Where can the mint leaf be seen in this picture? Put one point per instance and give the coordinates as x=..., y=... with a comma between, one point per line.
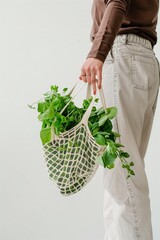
x=108, y=158
x=124, y=154
x=41, y=107
x=112, y=112
x=65, y=89
x=45, y=135
x=102, y=120
x=54, y=88
x=116, y=134
x=100, y=139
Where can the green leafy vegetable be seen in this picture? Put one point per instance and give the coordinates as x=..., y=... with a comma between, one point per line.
x=99, y=123
x=45, y=135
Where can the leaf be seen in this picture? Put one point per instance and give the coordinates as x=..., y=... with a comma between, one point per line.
x=86, y=103
x=95, y=131
x=108, y=158
x=89, y=125
x=110, y=166
x=102, y=120
x=48, y=99
x=99, y=160
x=94, y=125
x=61, y=148
x=111, y=146
x=118, y=145
x=132, y=172
x=30, y=106
x=44, y=124
x=107, y=126
x=57, y=120
x=46, y=94
x=100, y=111
x=54, y=88
x=131, y=163
x=93, y=109
x=112, y=112
x=124, y=154
x=103, y=133
x=55, y=102
x=96, y=100
x=65, y=89
x=70, y=143
x=48, y=114
x=116, y=134
x=41, y=107
x=100, y=139
x=45, y=135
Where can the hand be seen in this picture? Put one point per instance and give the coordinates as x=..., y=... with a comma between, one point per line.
x=91, y=68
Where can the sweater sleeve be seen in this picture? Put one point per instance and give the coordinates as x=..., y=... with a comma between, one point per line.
x=110, y=24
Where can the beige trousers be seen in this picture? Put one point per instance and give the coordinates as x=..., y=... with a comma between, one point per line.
x=130, y=79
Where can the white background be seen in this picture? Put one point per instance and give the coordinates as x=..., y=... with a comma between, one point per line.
x=44, y=42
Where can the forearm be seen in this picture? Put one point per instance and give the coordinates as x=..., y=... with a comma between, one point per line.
x=108, y=29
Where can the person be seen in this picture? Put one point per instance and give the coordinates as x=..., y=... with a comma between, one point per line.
x=123, y=62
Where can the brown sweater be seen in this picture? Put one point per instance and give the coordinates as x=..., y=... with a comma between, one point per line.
x=113, y=17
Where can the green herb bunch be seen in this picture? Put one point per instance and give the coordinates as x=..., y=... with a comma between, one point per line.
x=99, y=123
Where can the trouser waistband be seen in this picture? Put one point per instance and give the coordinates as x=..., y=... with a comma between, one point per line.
x=132, y=38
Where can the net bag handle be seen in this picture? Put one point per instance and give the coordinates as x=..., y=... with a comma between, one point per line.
x=88, y=95
x=89, y=109
x=86, y=115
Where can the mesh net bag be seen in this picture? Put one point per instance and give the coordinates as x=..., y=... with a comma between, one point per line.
x=71, y=157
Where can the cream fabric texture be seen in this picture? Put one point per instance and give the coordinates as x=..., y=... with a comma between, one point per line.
x=130, y=80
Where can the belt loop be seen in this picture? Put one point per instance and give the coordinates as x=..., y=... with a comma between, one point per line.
x=126, y=40
x=111, y=51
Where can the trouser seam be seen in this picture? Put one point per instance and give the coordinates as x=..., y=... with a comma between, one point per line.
x=138, y=236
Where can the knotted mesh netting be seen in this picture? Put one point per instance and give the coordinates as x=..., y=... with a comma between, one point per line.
x=71, y=159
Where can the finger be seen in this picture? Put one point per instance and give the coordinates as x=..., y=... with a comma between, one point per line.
x=83, y=75
x=99, y=78
x=93, y=82
x=88, y=77
x=84, y=78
